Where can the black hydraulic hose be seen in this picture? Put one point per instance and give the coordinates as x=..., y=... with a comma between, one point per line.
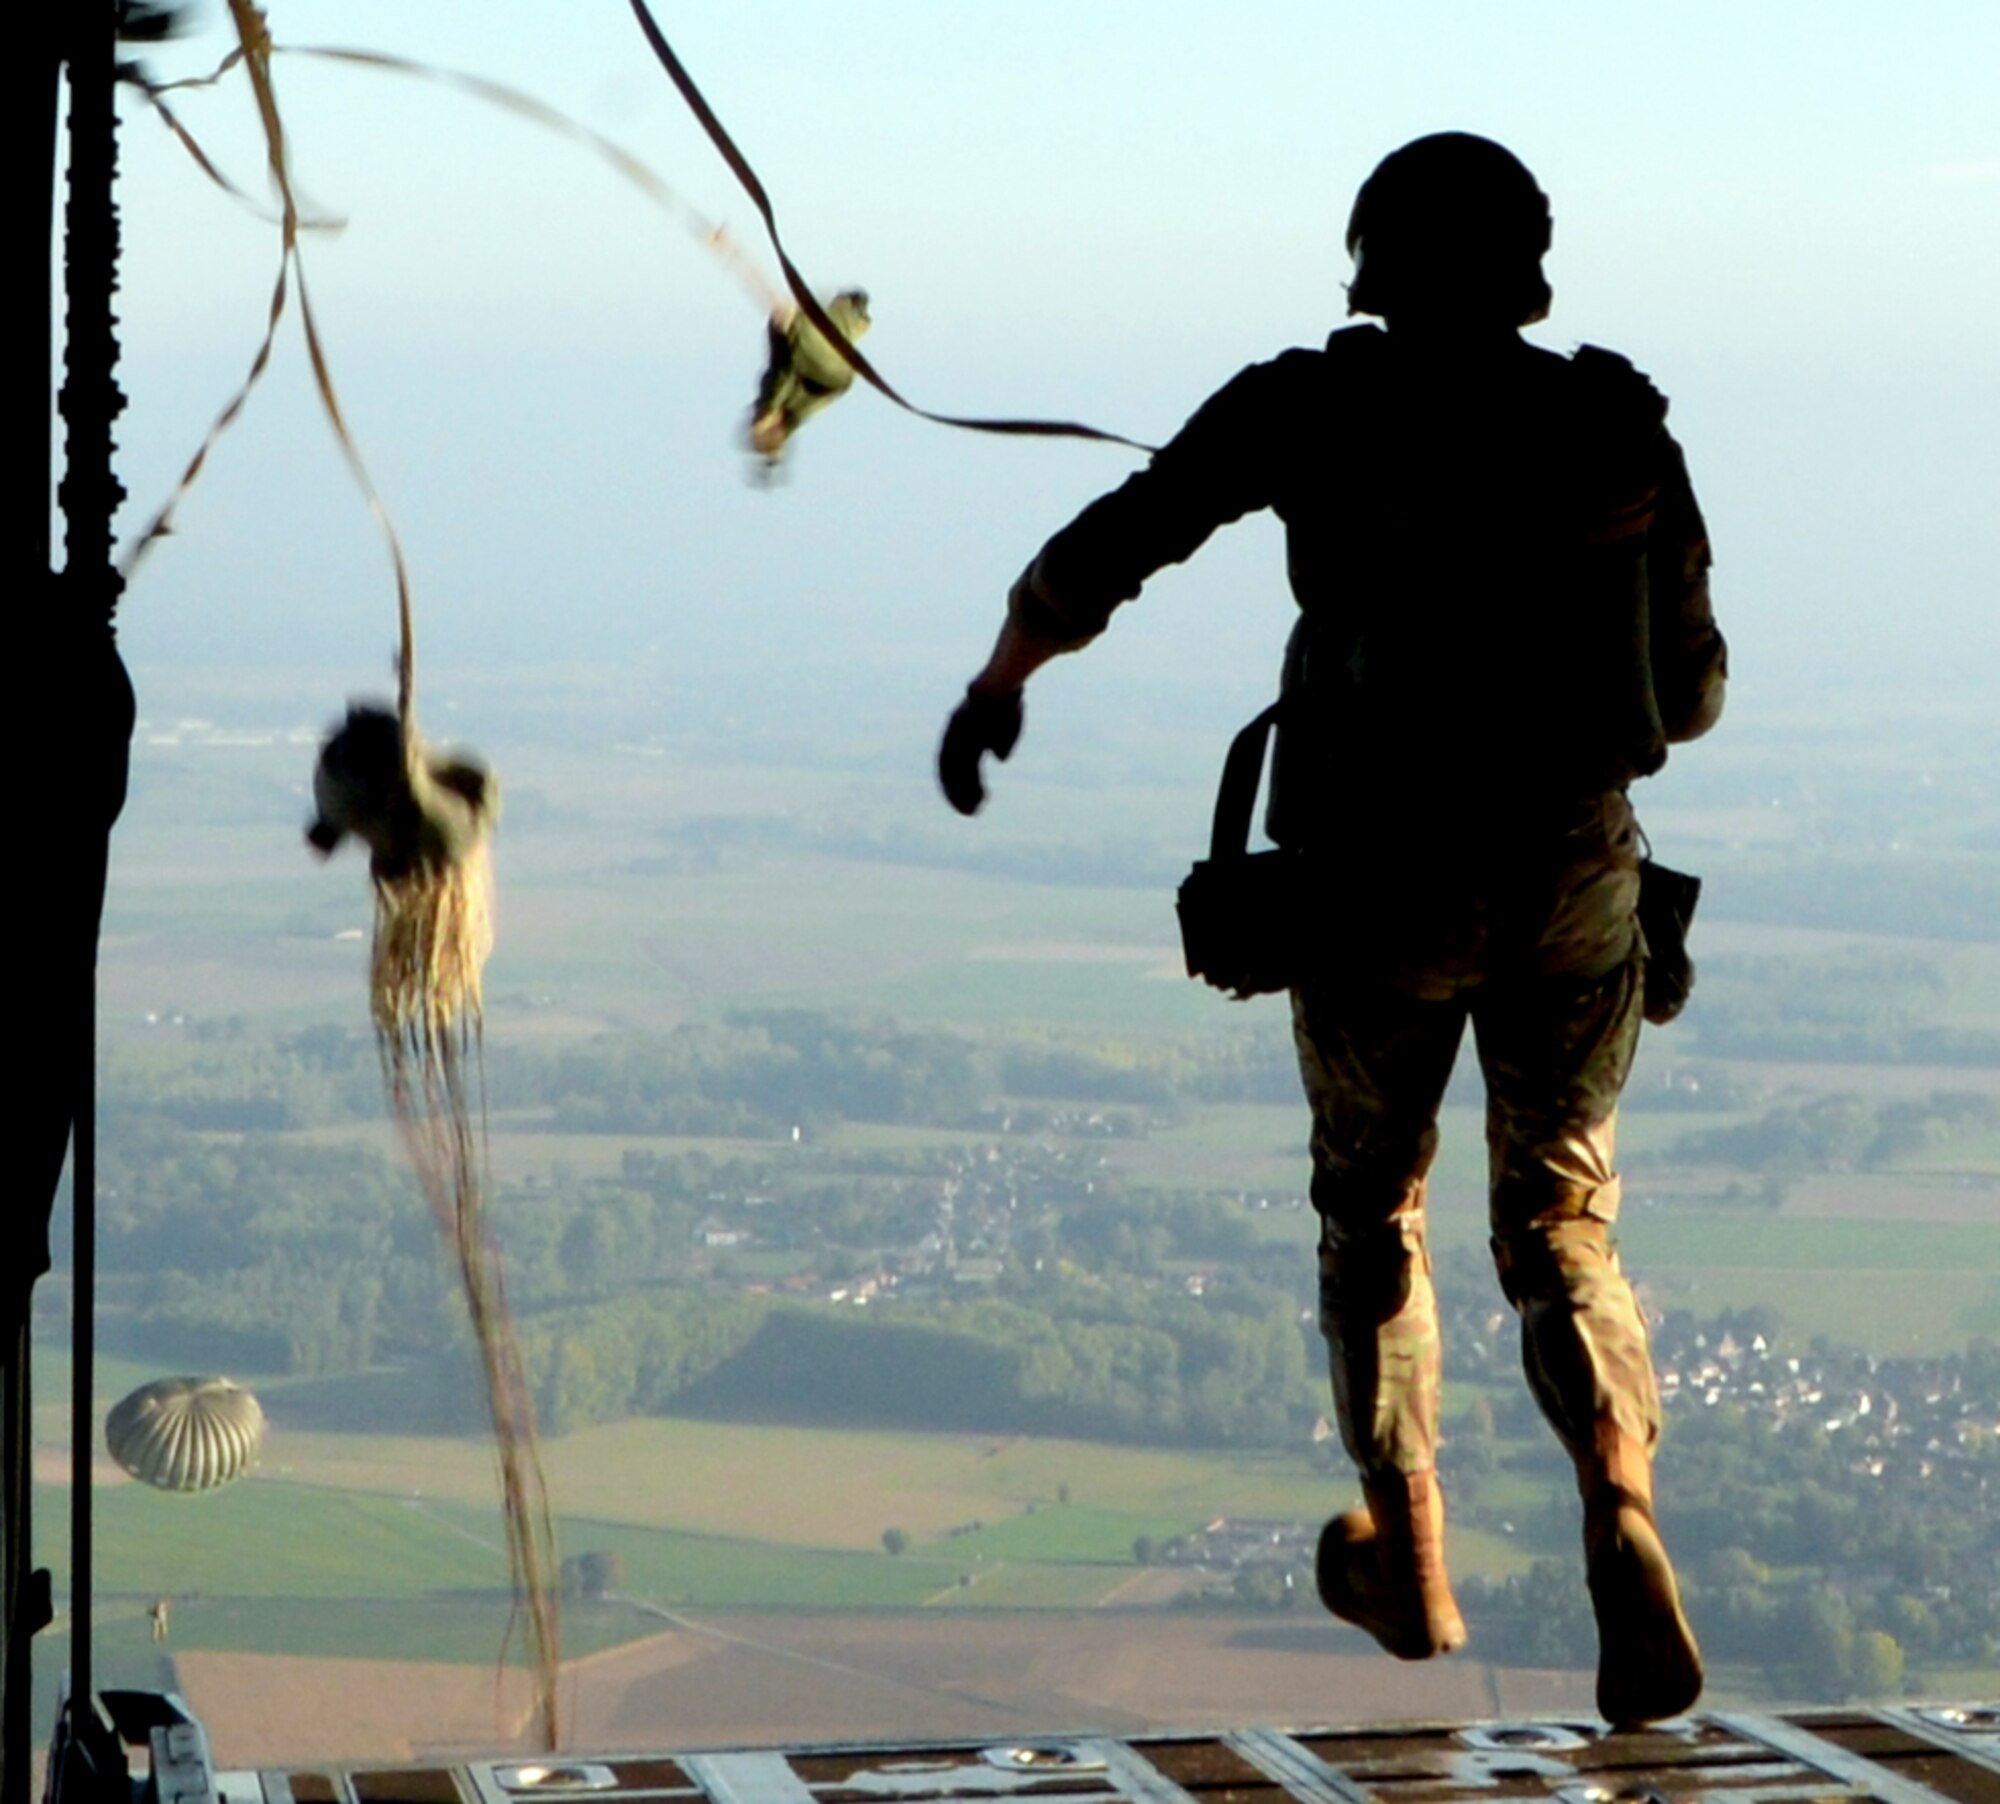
x=86, y=601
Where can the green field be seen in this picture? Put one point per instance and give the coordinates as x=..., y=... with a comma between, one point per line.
x=330, y=1567
x=1068, y=1534
x=1903, y=1287
x=334, y=1530
x=1255, y=1146
x=1052, y=993
x=1674, y=1238
x=1971, y=1152
x=1908, y=1312
x=266, y=1538
x=827, y=1488
x=711, y=1571
x=332, y=1562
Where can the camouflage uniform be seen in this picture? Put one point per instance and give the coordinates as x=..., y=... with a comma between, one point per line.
x=1502, y=575
x=1556, y=1021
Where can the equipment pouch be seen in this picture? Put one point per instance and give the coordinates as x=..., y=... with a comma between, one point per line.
x=1244, y=914
x=1666, y=907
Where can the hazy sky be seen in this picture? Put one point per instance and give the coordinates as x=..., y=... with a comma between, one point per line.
x=1788, y=213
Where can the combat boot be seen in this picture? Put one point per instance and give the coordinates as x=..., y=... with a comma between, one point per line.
x=1382, y=1567
x=1648, y=1666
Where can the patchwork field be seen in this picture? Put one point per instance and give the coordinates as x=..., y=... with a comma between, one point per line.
x=755, y=1598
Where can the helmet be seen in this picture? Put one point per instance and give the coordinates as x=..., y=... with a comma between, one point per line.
x=1451, y=224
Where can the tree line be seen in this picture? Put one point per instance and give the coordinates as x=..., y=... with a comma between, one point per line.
x=760, y=1074
x=1841, y=1133
x=1860, y=1005
x=1126, y=1367
x=267, y=1253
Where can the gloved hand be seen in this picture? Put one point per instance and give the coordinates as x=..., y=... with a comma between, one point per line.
x=986, y=721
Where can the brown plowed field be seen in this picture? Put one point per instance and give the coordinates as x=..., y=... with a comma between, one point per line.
x=752, y=1677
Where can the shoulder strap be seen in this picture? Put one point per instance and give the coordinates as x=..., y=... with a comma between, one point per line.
x=1236, y=798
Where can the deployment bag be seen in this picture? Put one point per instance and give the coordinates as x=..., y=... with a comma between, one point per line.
x=1244, y=915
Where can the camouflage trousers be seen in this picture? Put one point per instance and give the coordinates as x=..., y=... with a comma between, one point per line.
x=1555, y=1046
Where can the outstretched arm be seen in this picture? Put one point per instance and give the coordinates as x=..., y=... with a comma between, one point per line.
x=1222, y=464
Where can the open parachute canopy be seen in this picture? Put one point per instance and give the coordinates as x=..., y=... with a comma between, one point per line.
x=186, y=1434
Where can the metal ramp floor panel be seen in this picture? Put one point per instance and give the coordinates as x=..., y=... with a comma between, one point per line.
x=1904, y=1754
